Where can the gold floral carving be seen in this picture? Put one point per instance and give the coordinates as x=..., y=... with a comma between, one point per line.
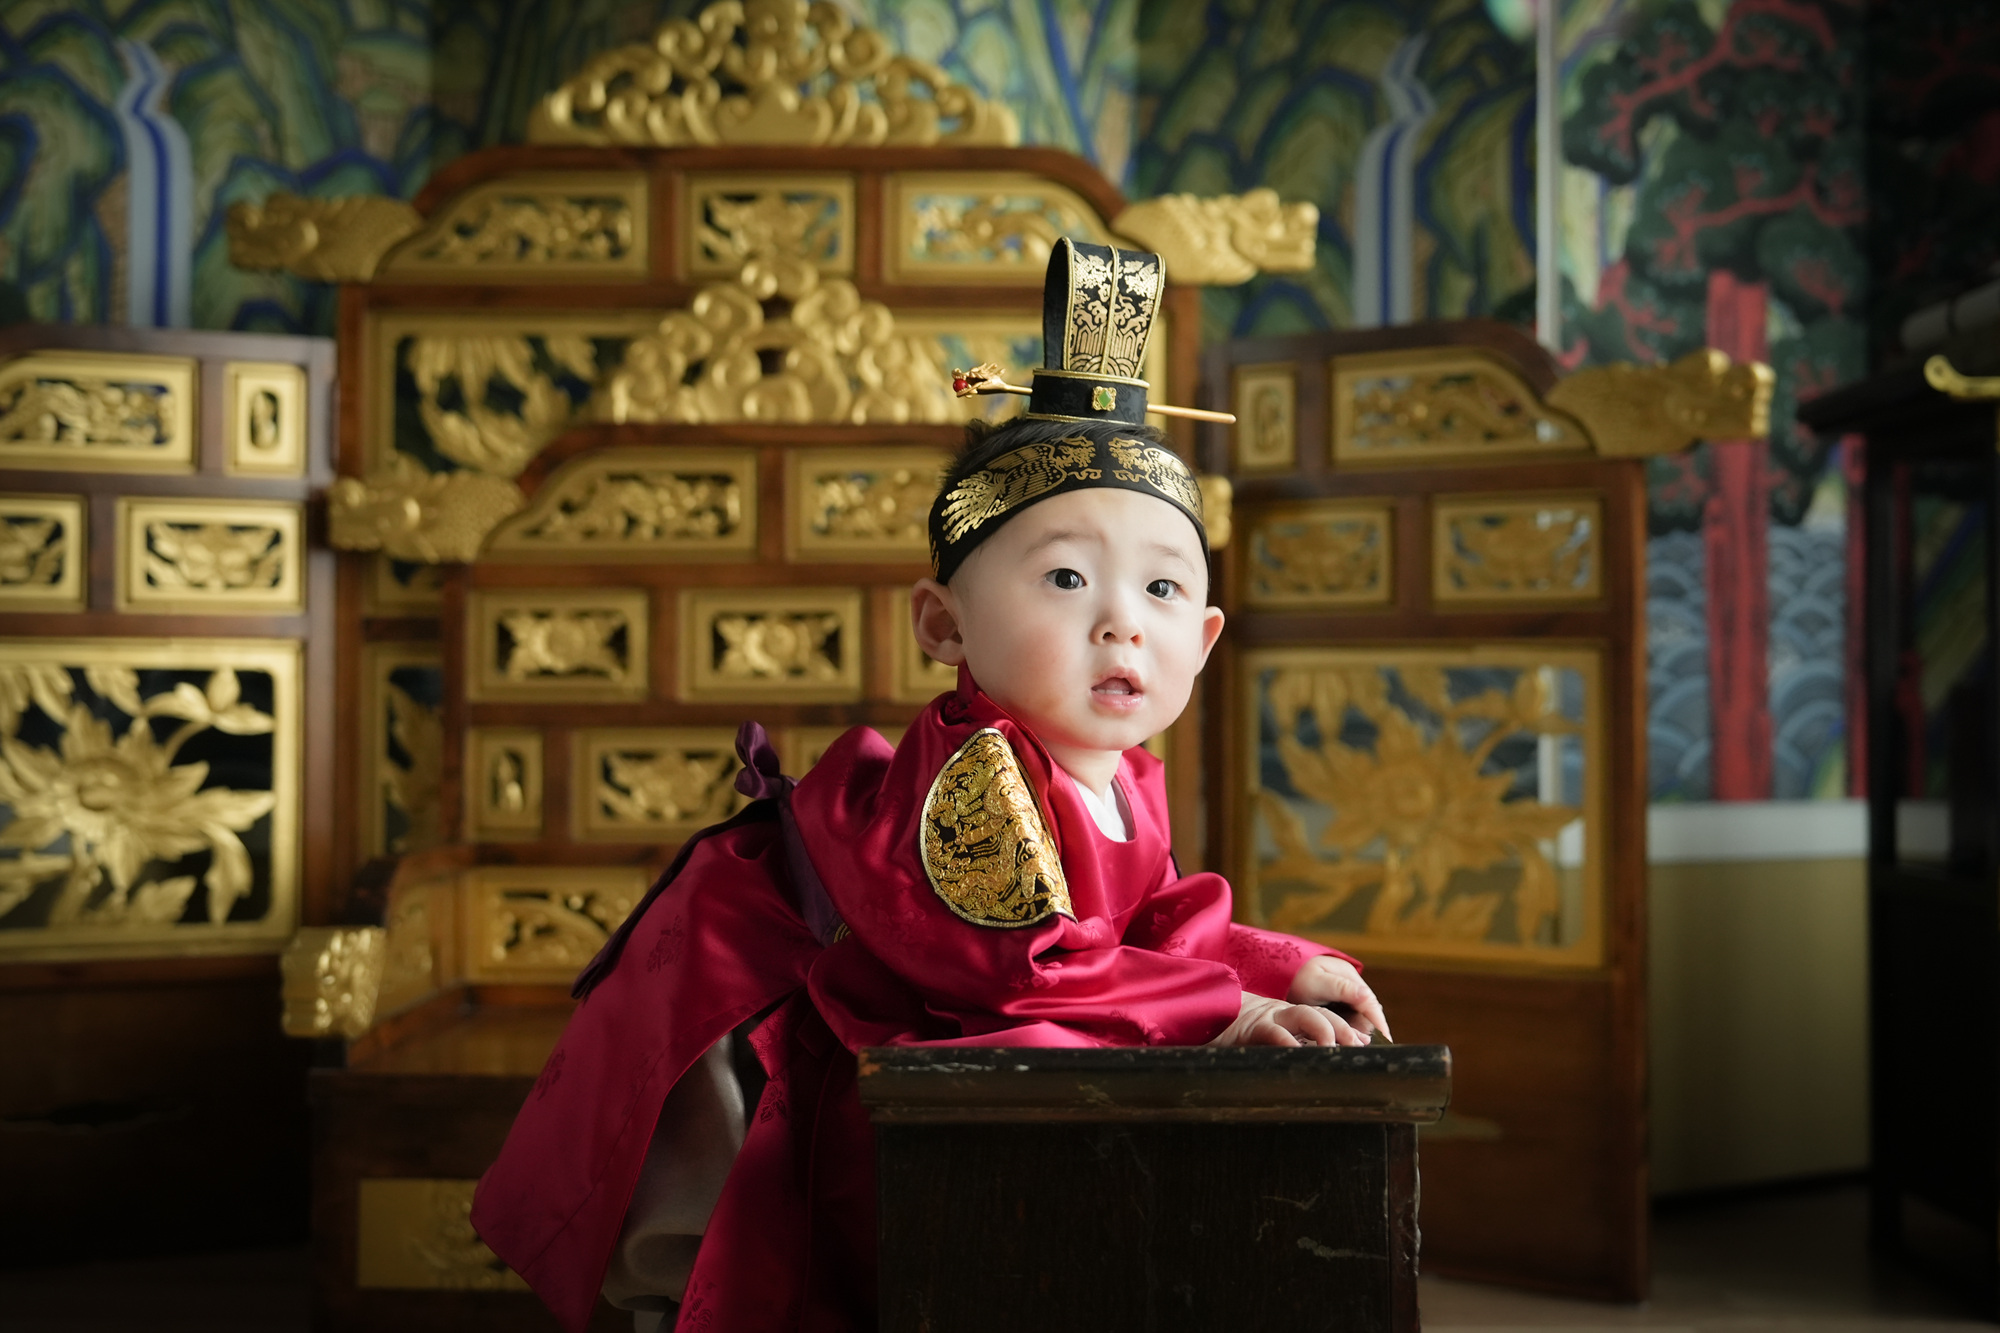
x=553, y=224
x=799, y=644
x=267, y=419
x=210, y=555
x=1266, y=405
x=1508, y=549
x=332, y=976
x=985, y=847
x=417, y=1235
x=765, y=72
x=543, y=923
x=116, y=837
x=861, y=503
x=1421, y=805
x=1321, y=554
x=1437, y=404
x=558, y=643
x=97, y=410
x=42, y=552
x=326, y=240
x=996, y=227
x=638, y=785
x=477, y=433
x=1225, y=240
x=784, y=222
x=401, y=742
x=410, y=514
x=1632, y=411
x=838, y=358
x=638, y=503
x=503, y=782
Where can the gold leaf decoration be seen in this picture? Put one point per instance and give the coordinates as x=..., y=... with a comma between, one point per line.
x=860, y=503
x=326, y=240
x=1225, y=240
x=638, y=502
x=97, y=410
x=781, y=223
x=1513, y=550
x=797, y=644
x=1440, y=403
x=529, y=225
x=332, y=976
x=112, y=809
x=478, y=433
x=411, y=787
x=838, y=357
x=564, y=643
x=411, y=514
x=765, y=72
x=986, y=848
x=1319, y=555
x=1632, y=411
x=41, y=552
x=769, y=646
x=641, y=785
x=542, y=923
x=1416, y=803
x=992, y=227
x=558, y=643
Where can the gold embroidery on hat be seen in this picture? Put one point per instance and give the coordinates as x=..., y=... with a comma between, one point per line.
x=1149, y=465
x=1013, y=479
x=984, y=844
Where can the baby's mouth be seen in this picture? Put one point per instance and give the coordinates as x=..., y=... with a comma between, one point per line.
x=1122, y=687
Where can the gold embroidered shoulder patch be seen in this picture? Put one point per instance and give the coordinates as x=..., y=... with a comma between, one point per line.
x=983, y=843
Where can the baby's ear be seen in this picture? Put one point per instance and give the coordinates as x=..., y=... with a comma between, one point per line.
x=934, y=617
x=1211, y=630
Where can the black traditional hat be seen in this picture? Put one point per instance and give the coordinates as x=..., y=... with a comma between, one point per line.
x=1098, y=306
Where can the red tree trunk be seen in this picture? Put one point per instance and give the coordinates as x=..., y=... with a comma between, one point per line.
x=1736, y=541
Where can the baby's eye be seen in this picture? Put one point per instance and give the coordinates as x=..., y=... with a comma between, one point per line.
x=1163, y=588
x=1066, y=579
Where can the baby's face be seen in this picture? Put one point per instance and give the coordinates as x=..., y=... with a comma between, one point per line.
x=1086, y=617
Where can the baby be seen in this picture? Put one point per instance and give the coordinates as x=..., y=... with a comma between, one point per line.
x=1002, y=878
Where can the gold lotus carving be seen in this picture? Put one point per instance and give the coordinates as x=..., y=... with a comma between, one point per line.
x=1327, y=554
x=41, y=551
x=552, y=223
x=211, y=555
x=635, y=785
x=641, y=503
x=982, y=227
x=765, y=72
x=97, y=410
x=1631, y=411
x=1438, y=404
x=564, y=643
x=554, y=643
x=410, y=514
x=113, y=828
x=1508, y=549
x=859, y=503
x=534, y=923
x=332, y=976
x=801, y=644
x=1416, y=810
x=783, y=222
x=476, y=432
x=1224, y=240
x=326, y=240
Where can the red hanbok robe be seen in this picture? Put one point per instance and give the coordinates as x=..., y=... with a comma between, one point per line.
x=1150, y=957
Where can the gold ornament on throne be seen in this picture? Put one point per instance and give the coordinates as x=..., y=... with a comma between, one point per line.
x=766, y=72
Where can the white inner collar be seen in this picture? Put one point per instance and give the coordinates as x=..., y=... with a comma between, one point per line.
x=1113, y=817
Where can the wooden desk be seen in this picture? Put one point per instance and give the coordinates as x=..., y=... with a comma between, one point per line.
x=1182, y=1188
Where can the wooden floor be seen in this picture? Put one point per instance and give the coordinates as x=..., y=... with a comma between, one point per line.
x=1780, y=1261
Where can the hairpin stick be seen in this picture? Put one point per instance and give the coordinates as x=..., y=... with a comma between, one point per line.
x=1192, y=413
x=984, y=378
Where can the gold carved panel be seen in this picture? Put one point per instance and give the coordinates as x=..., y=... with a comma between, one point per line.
x=985, y=227
x=860, y=504
x=503, y=783
x=1314, y=554
x=642, y=503
x=563, y=226
x=266, y=424
x=914, y=676
x=574, y=644
x=219, y=556
x=797, y=645
x=781, y=219
x=401, y=747
x=98, y=411
x=652, y=785
x=416, y=1235
x=1488, y=549
x=44, y=553
x=1267, y=417
x=542, y=923
x=1441, y=803
x=149, y=792
x=1440, y=404
x=401, y=587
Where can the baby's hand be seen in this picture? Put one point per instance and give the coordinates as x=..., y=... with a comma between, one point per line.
x=1263, y=1021
x=1330, y=980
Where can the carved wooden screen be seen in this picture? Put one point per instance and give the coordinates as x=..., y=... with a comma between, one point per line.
x=1429, y=708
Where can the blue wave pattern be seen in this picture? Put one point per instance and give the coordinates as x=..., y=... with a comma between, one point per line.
x=1807, y=655
x=1234, y=94
x=1679, y=727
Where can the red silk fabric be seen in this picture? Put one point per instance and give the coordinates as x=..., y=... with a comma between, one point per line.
x=1150, y=958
